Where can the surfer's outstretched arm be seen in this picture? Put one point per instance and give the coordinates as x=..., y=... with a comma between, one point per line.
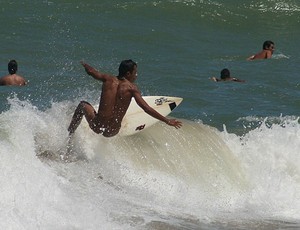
x=94, y=73
x=152, y=112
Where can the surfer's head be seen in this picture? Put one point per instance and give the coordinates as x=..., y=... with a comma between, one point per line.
x=268, y=45
x=12, y=67
x=225, y=73
x=127, y=69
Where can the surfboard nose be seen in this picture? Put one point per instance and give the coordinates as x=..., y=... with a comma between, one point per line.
x=175, y=101
x=136, y=119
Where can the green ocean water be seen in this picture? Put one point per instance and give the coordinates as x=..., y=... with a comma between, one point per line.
x=178, y=45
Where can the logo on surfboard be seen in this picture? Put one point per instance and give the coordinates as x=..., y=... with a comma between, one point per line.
x=161, y=100
x=141, y=127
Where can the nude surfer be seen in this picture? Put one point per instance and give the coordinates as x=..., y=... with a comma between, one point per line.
x=12, y=78
x=115, y=99
x=267, y=51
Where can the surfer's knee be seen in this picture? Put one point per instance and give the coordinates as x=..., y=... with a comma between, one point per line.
x=83, y=104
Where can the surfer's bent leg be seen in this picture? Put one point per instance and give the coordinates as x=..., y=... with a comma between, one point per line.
x=84, y=108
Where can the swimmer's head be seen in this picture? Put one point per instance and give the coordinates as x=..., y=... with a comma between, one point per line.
x=12, y=67
x=268, y=44
x=225, y=73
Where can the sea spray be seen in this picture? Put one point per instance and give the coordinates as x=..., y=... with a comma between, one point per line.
x=269, y=155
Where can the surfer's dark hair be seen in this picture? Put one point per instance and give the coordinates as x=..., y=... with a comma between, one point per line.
x=12, y=67
x=125, y=66
x=225, y=73
x=267, y=44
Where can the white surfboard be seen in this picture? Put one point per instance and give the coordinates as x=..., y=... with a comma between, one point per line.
x=136, y=120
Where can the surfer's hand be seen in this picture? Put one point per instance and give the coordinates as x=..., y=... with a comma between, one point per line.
x=83, y=64
x=175, y=123
x=88, y=69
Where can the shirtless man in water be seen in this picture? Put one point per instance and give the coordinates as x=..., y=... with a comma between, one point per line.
x=12, y=78
x=225, y=76
x=268, y=49
x=115, y=99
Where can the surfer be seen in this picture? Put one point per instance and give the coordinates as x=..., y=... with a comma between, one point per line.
x=225, y=76
x=267, y=51
x=115, y=99
x=12, y=78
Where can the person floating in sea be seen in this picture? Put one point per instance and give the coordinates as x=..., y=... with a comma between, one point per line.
x=12, y=78
x=225, y=76
x=267, y=51
x=116, y=95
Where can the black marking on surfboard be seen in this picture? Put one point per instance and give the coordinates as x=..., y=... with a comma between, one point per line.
x=161, y=100
x=172, y=105
x=141, y=127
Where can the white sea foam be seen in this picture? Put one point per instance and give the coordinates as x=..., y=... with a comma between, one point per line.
x=196, y=172
x=270, y=157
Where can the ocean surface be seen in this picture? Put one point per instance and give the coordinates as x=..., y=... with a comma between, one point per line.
x=235, y=163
